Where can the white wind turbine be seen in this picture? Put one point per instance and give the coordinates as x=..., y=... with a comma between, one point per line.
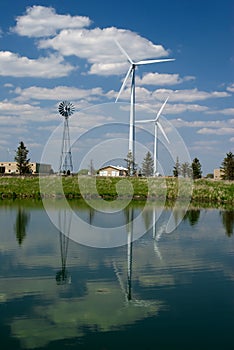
x=156, y=126
x=131, y=71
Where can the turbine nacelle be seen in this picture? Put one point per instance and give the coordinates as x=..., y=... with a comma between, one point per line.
x=134, y=64
x=156, y=120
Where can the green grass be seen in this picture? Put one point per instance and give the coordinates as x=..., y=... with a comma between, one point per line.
x=204, y=190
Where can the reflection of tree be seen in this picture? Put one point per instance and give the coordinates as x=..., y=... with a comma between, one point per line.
x=228, y=221
x=62, y=276
x=21, y=223
x=192, y=216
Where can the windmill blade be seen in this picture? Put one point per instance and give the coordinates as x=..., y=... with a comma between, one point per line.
x=163, y=132
x=139, y=63
x=145, y=121
x=124, y=52
x=124, y=83
x=161, y=109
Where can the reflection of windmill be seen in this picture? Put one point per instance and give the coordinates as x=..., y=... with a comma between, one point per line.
x=62, y=276
x=66, y=109
x=131, y=72
x=156, y=126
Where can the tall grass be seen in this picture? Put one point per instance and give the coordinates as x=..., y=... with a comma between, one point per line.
x=204, y=190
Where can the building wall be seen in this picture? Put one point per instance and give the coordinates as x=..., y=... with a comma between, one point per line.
x=109, y=171
x=218, y=174
x=11, y=168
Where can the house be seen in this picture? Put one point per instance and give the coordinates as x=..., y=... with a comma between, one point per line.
x=36, y=168
x=112, y=170
x=218, y=174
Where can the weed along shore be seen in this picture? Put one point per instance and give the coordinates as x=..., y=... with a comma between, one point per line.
x=200, y=191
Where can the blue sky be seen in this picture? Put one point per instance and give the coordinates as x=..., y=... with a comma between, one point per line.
x=65, y=50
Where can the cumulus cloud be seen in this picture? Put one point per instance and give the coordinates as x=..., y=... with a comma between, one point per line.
x=230, y=88
x=162, y=79
x=14, y=65
x=69, y=36
x=57, y=93
x=219, y=124
x=219, y=131
x=40, y=21
x=188, y=95
x=225, y=111
x=99, y=48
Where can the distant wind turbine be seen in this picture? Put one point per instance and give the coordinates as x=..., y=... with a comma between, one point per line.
x=156, y=126
x=131, y=71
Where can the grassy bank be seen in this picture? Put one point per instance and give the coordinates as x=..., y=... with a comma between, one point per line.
x=204, y=190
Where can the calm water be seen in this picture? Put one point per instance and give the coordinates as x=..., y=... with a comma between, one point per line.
x=163, y=291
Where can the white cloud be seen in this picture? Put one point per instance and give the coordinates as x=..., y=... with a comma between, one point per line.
x=99, y=48
x=57, y=93
x=230, y=88
x=68, y=36
x=188, y=95
x=225, y=111
x=203, y=123
x=14, y=65
x=42, y=21
x=219, y=131
x=162, y=79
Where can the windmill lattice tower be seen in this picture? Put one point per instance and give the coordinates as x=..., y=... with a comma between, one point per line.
x=66, y=109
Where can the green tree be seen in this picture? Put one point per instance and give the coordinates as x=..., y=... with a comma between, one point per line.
x=176, y=168
x=228, y=167
x=186, y=170
x=131, y=165
x=148, y=165
x=196, y=169
x=21, y=159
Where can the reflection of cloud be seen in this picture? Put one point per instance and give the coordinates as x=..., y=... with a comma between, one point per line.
x=101, y=308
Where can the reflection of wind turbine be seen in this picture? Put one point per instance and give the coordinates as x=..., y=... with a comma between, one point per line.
x=131, y=71
x=156, y=235
x=128, y=293
x=156, y=126
x=62, y=276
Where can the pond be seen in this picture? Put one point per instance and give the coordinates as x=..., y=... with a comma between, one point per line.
x=161, y=291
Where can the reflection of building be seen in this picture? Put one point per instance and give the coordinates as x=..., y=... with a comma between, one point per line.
x=11, y=168
x=218, y=174
x=112, y=170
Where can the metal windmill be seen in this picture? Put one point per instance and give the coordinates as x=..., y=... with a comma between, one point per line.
x=62, y=276
x=131, y=72
x=66, y=109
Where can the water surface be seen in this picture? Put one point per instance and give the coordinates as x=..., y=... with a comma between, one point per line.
x=163, y=291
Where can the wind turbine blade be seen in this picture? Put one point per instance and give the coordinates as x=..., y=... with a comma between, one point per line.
x=145, y=121
x=163, y=132
x=124, y=83
x=161, y=109
x=153, y=61
x=124, y=52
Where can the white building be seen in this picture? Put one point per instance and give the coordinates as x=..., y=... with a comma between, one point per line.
x=112, y=170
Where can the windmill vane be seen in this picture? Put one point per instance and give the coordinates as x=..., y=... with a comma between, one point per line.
x=66, y=109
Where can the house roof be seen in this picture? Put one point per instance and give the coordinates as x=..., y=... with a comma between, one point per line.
x=116, y=167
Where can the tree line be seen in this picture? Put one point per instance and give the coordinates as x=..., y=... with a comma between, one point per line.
x=185, y=169
x=193, y=170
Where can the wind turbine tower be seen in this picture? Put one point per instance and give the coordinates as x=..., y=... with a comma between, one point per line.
x=131, y=72
x=66, y=109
